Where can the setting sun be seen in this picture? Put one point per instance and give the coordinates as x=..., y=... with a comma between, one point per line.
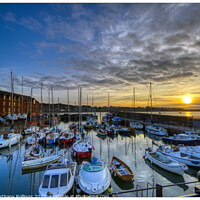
x=187, y=100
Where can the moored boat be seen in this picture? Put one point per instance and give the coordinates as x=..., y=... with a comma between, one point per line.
x=82, y=149
x=156, y=130
x=179, y=156
x=121, y=169
x=40, y=162
x=66, y=137
x=58, y=180
x=94, y=178
x=136, y=125
x=181, y=139
x=10, y=139
x=165, y=162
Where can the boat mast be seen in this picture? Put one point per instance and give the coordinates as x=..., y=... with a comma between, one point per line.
x=151, y=99
x=12, y=99
x=92, y=103
x=31, y=105
x=53, y=106
x=79, y=107
x=41, y=108
x=68, y=105
x=58, y=111
x=49, y=107
x=108, y=103
x=134, y=102
x=22, y=97
x=87, y=105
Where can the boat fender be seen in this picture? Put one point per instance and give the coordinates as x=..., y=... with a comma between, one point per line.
x=198, y=176
x=49, y=194
x=74, y=153
x=110, y=189
x=144, y=156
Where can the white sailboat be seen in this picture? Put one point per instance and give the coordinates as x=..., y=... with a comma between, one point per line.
x=9, y=139
x=135, y=124
x=155, y=129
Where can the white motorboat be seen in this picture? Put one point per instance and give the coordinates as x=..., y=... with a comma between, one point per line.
x=31, y=129
x=58, y=180
x=181, y=139
x=7, y=140
x=156, y=130
x=40, y=162
x=179, y=156
x=94, y=178
x=136, y=125
x=165, y=162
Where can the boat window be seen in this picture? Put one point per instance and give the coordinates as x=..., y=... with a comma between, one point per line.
x=93, y=168
x=54, y=181
x=46, y=181
x=63, y=180
x=69, y=175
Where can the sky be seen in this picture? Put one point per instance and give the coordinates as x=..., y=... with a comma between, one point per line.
x=104, y=48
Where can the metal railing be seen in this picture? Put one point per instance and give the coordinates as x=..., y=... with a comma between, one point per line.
x=158, y=188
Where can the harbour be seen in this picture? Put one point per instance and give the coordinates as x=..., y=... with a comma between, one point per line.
x=17, y=182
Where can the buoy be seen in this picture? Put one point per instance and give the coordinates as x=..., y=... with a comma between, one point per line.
x=143, y=156
x=110, y=189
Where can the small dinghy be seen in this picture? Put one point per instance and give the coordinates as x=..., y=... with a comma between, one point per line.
x=39, y=162
x=58, y=180
x=34, y=152
x=8, y=140
x=94, y=178
x=87, y=125
x=102, y=132
x=121, y=169
x=165, y=162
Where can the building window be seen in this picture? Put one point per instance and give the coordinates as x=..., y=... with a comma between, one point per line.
x=9, y=103
x=9, y=97
x=34, y=101
x=14, y=103
x=4, y=97
x=14, y=109
x=4, y=110
x=4, y=103
x=8, y=110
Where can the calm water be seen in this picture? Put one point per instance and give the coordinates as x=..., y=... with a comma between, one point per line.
x=129, y=149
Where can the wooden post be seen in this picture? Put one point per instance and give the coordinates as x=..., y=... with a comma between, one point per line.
x=159, y=192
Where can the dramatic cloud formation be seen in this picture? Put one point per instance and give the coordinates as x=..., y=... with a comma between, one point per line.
x=105, y=48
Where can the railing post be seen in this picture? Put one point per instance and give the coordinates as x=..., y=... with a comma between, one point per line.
x=159, y=192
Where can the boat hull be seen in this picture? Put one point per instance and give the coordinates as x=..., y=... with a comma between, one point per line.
x=126, y=177
x=41, y=162
x=185, y=142
x=172, y=168
x=10, y=142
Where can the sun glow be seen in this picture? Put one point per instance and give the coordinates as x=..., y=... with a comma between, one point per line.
x=187, y=100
